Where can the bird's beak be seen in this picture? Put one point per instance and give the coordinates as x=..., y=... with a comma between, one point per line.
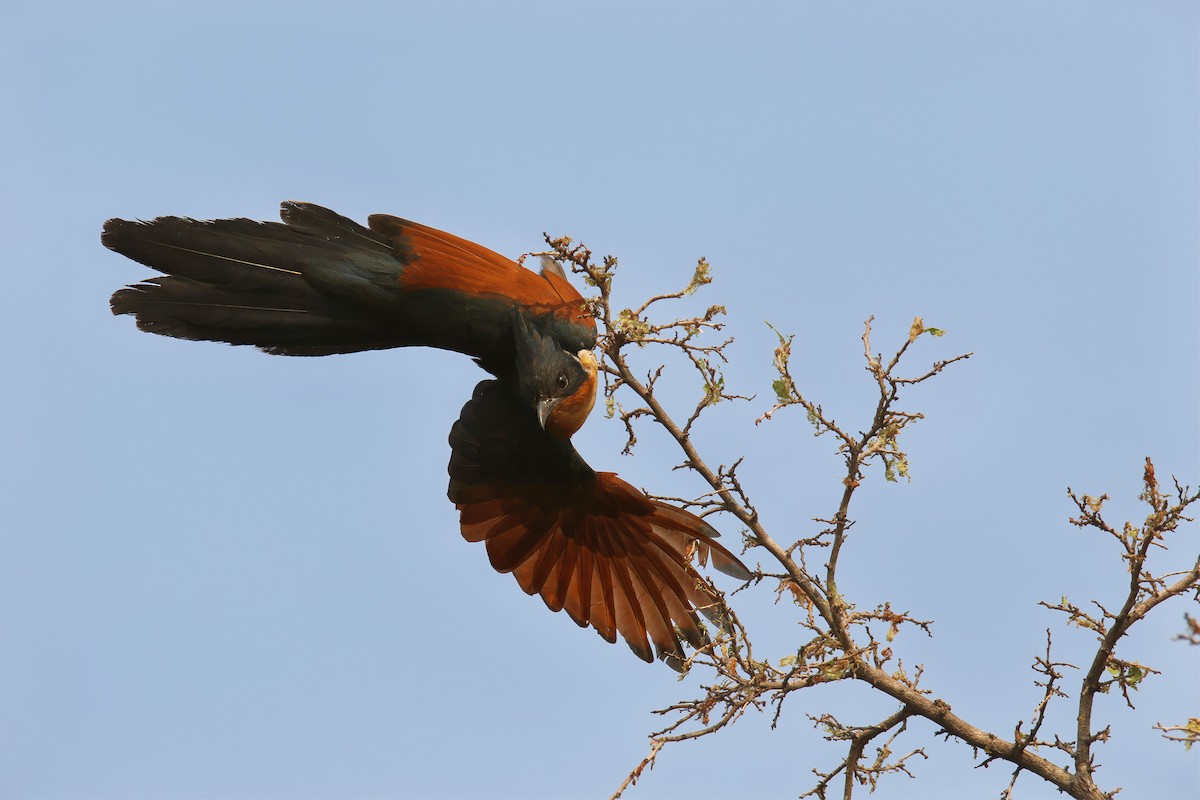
x=545, y=408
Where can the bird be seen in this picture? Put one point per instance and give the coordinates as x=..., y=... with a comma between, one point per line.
x=317, y=283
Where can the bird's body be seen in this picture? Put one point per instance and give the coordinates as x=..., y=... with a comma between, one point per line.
x=320, y=284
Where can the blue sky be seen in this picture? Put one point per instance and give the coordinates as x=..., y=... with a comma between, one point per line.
x=230, y=575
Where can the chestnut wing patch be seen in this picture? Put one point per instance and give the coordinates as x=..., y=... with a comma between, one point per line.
x=435, y=259
x=588, y=543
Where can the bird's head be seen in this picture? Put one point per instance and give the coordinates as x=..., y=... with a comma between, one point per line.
x=561, y=385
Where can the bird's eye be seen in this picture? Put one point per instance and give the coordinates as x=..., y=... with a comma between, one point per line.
x=562, y=380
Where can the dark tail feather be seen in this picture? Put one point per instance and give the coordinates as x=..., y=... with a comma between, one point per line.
x=316, y=284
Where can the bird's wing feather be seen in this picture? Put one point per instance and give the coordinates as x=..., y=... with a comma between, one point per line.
x=318, y=283
x=440, y=260
x=586, y=542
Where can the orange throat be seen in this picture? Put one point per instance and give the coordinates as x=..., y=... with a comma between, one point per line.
x=571, y=412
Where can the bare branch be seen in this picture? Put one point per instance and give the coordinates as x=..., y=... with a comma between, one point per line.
x=1192, y=633
x=845, y=642
x=851, y=767
x=1189, y=734
x=1144, y=594
x=648, y=761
